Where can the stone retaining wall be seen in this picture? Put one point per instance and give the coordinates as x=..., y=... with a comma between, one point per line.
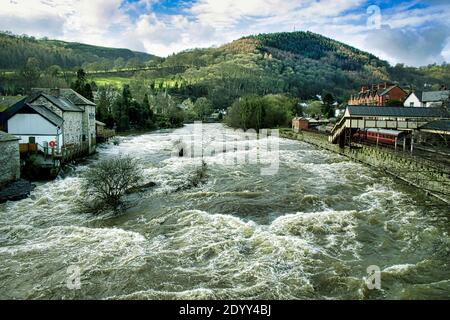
x=9, y=161
x=426, y=175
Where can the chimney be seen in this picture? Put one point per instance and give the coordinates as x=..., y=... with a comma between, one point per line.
x=55, y=92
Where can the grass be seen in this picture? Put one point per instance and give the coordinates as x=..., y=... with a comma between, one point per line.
x=117, y=82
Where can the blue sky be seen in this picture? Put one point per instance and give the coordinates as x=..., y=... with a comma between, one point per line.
x=414, y=32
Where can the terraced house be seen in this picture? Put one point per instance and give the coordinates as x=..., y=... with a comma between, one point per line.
x=378, y=95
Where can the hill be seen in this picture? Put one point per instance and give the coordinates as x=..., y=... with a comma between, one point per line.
x=16, y=50
x=300, y=64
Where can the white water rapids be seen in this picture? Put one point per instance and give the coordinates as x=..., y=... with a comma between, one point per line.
x=308, y=232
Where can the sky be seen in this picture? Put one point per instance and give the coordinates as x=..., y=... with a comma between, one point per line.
x=413, y=32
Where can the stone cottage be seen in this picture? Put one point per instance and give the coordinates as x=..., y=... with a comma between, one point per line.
x=9, y=158
x=77, y=112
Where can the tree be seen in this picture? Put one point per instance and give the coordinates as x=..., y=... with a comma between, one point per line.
x=394, y=103
x=109, y=180
x=327, y=107
x=203, y=107
x=31, y=72
x=314, y=108
x=82, y=86
x=119, y=63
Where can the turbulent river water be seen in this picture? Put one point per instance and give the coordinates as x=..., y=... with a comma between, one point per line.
x=308, y=232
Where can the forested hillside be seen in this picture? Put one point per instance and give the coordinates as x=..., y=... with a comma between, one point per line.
x=16, y=50
x=298, y=64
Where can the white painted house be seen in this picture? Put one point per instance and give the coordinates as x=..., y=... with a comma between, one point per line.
x=427, y=99
x=37, y=125
x=55, y=119
x=77, y=112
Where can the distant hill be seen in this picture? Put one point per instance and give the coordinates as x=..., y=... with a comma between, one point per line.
x=16, y=50
x=300, y=64
x=303, y=64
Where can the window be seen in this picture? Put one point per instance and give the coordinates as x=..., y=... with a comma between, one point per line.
x=32, y=140
x=84, y=138
x=411, y=104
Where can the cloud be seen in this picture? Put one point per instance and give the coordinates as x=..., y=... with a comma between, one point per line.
x=410, y=46
x=163, y=27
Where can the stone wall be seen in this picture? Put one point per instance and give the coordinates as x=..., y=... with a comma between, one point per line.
x=9, y=161
x=424, y=174
x=73, y=122
x=72, y=128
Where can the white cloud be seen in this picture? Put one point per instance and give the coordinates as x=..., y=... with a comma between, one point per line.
x=214, y=22
x=409, y=46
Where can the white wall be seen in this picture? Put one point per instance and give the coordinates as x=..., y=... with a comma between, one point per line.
x=412, y=99
x=33, y=124
x=25, y=126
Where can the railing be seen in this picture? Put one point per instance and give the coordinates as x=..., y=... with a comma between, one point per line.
x=105, y=134
x=337, y=130
x=66, y=154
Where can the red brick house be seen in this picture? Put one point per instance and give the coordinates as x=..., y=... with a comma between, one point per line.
x=378, y=95
x=299, y=124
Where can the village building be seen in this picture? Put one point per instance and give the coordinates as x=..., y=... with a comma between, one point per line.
x=8, y=103
x=427, y=99
x=102, y=133
x=299, y=124
x=9, y=158
x=37, y=125
x=360, y=118
x=378, y=95
x=77, y=112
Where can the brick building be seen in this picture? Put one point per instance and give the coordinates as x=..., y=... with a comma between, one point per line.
x=378, y=95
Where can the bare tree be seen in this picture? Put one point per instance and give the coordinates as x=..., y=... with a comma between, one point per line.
x=109, y=180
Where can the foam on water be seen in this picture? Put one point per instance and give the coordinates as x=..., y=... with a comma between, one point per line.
x=309, y=231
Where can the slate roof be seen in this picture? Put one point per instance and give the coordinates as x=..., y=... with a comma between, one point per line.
x=8, y=101
x=69, y=94
x=438, y=125
x=41, y=110
x=48, y=114
x=75, y=97
x=388, y=90
x=61, y=103
x=401, y=112
x=5, y=137
x=435, y=96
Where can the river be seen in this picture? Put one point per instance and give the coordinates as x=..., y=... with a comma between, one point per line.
x=308, y=232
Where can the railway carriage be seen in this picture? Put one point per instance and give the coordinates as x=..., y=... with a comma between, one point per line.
x=380, y=136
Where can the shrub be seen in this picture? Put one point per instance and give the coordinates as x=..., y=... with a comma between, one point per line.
x=109, y=180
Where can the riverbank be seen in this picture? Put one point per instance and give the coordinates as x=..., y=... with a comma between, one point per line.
x=16, y=191
x=430, y=177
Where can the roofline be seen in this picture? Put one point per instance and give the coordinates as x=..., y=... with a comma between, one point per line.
x=46, y=96
x=43, y=116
